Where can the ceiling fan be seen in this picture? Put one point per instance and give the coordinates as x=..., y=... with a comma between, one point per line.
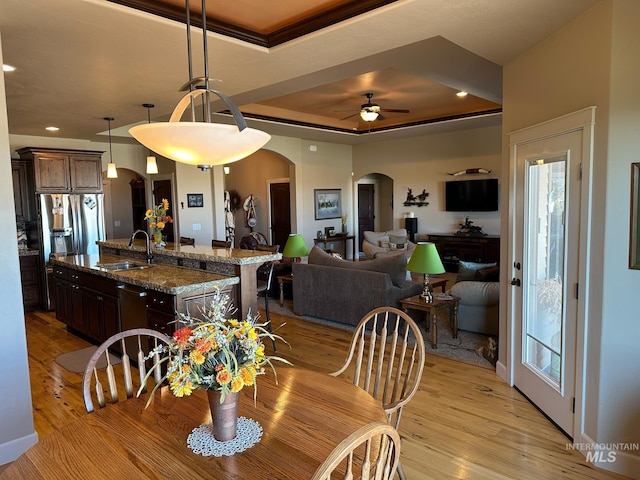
x=370, y=111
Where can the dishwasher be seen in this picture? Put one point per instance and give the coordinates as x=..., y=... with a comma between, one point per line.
x=133, y=314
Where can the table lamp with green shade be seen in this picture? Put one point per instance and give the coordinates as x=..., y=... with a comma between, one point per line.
x=425, y=259
x=295, y=247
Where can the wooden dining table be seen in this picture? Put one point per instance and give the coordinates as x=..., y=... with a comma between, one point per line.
x=303, y=418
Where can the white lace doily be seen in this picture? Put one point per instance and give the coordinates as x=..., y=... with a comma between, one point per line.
x=201, y=440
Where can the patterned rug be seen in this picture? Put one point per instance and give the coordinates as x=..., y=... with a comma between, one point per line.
x=466, y=347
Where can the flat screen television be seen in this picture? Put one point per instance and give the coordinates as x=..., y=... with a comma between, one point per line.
x=472, y=195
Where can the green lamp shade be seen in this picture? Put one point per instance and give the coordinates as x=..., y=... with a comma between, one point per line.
x=425, y=259
x=295, y=247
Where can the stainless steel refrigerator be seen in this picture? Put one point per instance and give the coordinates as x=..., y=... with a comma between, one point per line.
x=69, y=224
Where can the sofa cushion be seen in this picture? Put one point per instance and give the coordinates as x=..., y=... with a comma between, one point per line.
x=468, y=270
x=477, y=293
x=394, y=266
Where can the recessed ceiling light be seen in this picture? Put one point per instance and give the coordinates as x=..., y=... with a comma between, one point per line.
x=52, y=129
x=8, y=68
x=462, y=94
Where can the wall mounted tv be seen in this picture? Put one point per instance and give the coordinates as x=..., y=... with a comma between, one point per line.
x=472, y=195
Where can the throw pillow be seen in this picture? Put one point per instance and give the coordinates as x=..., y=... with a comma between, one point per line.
x=467, y=270
x=489, y=274
x=398, y=242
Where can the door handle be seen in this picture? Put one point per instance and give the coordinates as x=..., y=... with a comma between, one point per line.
x=515, y=281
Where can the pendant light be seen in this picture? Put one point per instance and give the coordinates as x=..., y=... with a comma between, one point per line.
x=111, y=167
x=200, y=143
x=152, y=165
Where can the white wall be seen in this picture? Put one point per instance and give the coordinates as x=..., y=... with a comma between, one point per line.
x=190, y=179
x=424, y=163
x=16, y=418
x=591, y=61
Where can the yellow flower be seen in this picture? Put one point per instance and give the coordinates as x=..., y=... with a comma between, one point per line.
x=160, y=225
x=149, y=213
x=152, y=224
x=252, y=334
x=181, y=389
x=246, y=375
x=196, y=357
x=236, y=384
x=165, y=204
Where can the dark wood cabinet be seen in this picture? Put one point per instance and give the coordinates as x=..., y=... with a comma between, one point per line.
x=453, y=248
x=30, y=279
x=86, y=303
x=65, y=171
x=23, y=190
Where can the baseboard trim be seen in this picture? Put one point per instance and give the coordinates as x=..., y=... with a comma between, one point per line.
x=624, y=462
x=12, y=449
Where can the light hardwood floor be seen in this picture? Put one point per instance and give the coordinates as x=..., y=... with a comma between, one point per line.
x=464, y=422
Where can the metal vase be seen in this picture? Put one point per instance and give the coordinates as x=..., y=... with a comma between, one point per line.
x=224, y=415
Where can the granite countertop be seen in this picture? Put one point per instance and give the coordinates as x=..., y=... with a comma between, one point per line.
x=233, y=256
x=159, y=277
x=28, y=252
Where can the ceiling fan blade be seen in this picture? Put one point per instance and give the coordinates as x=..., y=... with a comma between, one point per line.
x=394, y=110
x=350, y=116
x=381, y=117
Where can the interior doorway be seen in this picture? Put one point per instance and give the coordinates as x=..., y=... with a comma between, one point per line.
x=279, y=212
x=374, y=204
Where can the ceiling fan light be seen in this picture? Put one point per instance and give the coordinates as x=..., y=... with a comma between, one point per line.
x=368, y=115
x=152, y=165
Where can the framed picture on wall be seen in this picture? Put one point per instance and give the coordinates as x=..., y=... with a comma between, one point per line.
x=328, y=203
x=634, y=239
x=195, y=200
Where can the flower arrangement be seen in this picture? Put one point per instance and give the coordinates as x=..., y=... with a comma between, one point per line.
x=215, y=353
x=158, y=219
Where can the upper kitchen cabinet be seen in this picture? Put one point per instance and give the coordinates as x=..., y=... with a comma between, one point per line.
x=65, y=171
x=23, y=190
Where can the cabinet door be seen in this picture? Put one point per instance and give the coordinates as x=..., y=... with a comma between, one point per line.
x=52, y=173
x=161, y=321
x=22, y=194
x=76, y=308
x=86, y=173
x=62, y=292
x=93, y=301
x=110, y=316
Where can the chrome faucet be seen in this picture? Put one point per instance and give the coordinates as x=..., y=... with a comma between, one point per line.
x=147, y=243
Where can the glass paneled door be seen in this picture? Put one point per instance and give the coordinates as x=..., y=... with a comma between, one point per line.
x=547, y=239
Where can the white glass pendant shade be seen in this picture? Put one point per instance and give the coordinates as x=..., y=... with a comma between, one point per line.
x=368, y=115
x=112, y=172
x=199, y=143
x=152, y=166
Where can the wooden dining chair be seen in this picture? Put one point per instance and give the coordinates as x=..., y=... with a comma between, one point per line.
x=187, y=241
x=131, y=346
x=371, y=452
x=220, y=244
x=386, y=357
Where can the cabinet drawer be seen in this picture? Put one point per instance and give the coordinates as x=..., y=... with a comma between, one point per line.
x=61, y=272
x=161, y=301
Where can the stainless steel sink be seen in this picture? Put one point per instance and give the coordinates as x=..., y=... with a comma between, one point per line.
x=124, y=266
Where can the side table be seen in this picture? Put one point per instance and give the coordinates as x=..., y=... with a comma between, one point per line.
x=448, y=302
x=282, y=279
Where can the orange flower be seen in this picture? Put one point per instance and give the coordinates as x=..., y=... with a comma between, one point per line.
x=203, y=345
x=182, y=337
x=223, y=377
x=246, y=375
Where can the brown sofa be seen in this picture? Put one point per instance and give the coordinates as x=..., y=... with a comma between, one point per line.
x=344, y=291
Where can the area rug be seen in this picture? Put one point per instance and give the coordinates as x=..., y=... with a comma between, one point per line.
x=465, y=347
x=77, y=361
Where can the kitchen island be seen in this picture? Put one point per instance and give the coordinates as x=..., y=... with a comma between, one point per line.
x=231, y=262
x=99, y=295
